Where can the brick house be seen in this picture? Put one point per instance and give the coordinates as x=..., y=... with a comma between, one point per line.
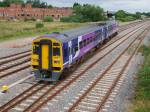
x=16, y=11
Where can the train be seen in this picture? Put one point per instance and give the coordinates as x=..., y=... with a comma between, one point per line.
x=54, y=53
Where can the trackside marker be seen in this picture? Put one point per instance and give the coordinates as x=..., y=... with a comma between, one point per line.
x=5, y=88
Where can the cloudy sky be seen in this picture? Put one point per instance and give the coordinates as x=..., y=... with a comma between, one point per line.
x=113, y=5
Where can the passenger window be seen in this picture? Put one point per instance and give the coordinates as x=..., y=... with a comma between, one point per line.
x=84, y=43
x=94, y=38
x=80, y=45
x=88, y=41
x=56, y=51
x=91, y=39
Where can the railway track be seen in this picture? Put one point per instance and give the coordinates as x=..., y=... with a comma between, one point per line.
x=124, y=27
x=20, y=61
x=52, y=91
x=95, y=97
x=13, y=55
x=14, y=64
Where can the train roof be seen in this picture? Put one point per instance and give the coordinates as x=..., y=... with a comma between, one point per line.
x=73, y=33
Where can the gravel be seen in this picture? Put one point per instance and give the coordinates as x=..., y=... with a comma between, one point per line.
x=9, y=51
x=14, y=91
x=67, y=97
x=17, y=89
x=126, y=93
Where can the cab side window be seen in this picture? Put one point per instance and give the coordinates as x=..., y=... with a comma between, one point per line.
x=36, y=49
x=56, y=51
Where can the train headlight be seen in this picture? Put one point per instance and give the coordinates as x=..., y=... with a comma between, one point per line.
x=57, y=62
x=35, y=60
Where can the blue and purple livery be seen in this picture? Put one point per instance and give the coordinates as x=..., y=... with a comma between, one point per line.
x=56, y=52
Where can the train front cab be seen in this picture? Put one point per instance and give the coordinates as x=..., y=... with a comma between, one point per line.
x=47, y=62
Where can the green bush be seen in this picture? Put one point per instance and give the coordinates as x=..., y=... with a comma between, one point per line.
x=65, y=19
x=39, y=25
x=125, y=16
x=73, y=18
x=85, y=13
x=31, y=19
x=48, y=19
x=142, y=94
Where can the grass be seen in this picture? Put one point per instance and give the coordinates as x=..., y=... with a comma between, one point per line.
x=20, y=29
x=141, y=102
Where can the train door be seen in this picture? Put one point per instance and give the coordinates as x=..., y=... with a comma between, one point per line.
x=105, y=31
x=45, y=55
x=70, y=51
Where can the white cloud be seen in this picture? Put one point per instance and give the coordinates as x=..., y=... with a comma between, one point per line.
x=114, y=5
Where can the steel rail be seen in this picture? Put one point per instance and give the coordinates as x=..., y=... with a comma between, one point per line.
x=38, y=103
x=120, y=74
x=101, y=76
x=49, y=90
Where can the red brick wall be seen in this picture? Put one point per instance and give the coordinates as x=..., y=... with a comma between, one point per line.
x=19, y=12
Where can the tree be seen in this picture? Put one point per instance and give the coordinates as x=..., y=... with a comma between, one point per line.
x=43, y=5
x=6, y=3
x=146, y=14
x=29, y=1
x=50, y=6
x=121, y=14
x=138, y=15
x=39, y=4
x=76, y=5
x=36, y=3
x=126, y=16
x=1, y=4
x=89, y=12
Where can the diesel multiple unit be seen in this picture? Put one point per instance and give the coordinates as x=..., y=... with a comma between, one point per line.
x=53, y=53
